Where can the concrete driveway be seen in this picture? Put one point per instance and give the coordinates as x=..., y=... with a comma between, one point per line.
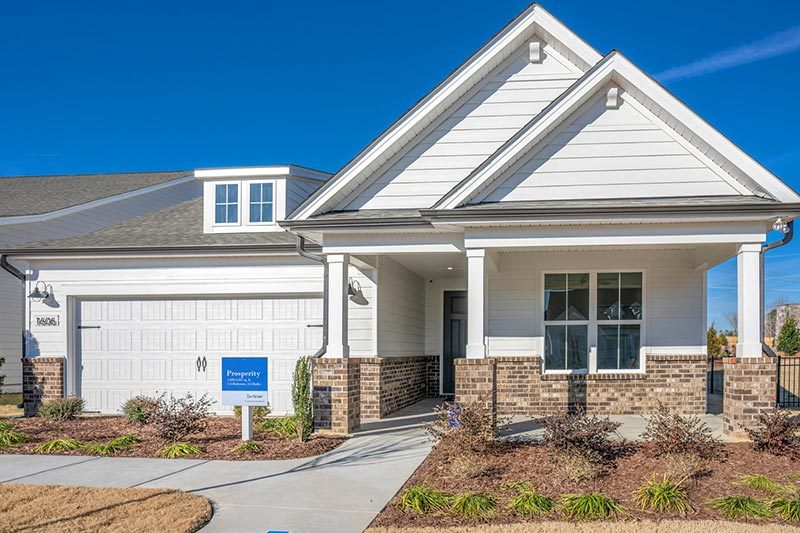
x=340, y=491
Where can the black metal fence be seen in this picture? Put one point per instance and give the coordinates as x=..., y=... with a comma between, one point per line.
x=788, y=390
x=714, y=376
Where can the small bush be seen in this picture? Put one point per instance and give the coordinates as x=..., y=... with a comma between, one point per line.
x=6, y=426
x=682, y=465
x=528, y=502
x=591, y=506
x=423, y=500
x=589, y=435
x=62, y=409
x=663, y=495
x=285, y=427
x=762, y=483
x=469, y=466
x=787, y=508
x=736, y=507
x=474, y=504
x=302, y=399
x=9, y=437
x=468, y=426
x=58, y=445
x=139, y=409
x=124, y=442
x=179, y=449
x=249, y=446
x=670, y=433
x=175, y=419
x=775, y=432
x=260, y=413
x=580, y=465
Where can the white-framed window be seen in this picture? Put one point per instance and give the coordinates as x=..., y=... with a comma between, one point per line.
x=593, y=320
x=226, y=203
x=262, y=203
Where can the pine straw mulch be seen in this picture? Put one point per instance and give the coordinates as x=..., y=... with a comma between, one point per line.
x=217, y=440
x=664, y=526
x=533, y=462
x=55, y=508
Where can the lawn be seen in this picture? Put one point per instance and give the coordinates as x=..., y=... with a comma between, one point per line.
x=8, y=404
x=54, y=508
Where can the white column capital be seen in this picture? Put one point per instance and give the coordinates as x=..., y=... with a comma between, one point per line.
x=750, y=247
x=338, y=258
x=476, y=252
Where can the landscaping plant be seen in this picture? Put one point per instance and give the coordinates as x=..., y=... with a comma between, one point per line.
x=467, y=426
x=469, y=466
x=528, y=502
x=577, y=431
x=58, y=445
x=249, y=446
x=591, y=506
x=682, y=465
x=423, y=500
x=260, y=413
x=174, y=419
x=62, y=409
x=473, y=504
x=739, y=507
x=789, y=337
x=177, y=450
x=763, y=484
x=663, y=495
x=9, y=437
x=285, y=427
x=2, y=376
x=776, y=432
x=302, y=398
x=669, y=433
x=124, y=442
x=787, y=507
x=139, y=409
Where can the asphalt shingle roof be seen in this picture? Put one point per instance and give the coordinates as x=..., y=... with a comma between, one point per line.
x=37, y=195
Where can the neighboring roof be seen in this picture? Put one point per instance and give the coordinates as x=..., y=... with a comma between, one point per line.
x=38, y=195
x=176, y=227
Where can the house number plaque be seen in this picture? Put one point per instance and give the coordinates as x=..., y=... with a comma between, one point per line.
x=48, y=320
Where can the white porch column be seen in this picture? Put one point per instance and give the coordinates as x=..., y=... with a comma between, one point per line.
x=748, y=261
x=476, y=302
x=338, y=346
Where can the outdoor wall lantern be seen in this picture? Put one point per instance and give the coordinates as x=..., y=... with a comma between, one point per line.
x=355, y=292
x=781, y=226
x=41, y=291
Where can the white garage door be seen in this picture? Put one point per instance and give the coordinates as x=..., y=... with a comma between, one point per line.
x=150, y=347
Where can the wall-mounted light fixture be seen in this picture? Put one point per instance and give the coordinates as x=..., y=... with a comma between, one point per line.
x=355, y=292
x=781, y=226
x=41, y=291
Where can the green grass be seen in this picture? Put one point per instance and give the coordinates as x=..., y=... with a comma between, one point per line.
x=249, y=446
x=738, y=507
x=58, y=445
x=423, y=500
x=474, y=504
x=662, y=495
x=124, y=442
x=591, y=506
x=177, y=450
x=786, y=508
x=762, y=484
x=285, y=426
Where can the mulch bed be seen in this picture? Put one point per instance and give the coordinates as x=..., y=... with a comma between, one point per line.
x=532, y=461
x=217, y=441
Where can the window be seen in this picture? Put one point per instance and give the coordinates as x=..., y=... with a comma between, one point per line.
x=261, y=202
x=601, y=309
x=226, y=203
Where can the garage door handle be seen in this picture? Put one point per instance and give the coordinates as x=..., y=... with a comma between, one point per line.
x=205, y=363
x=313, y=325
x=88, y=327
x=198, y=363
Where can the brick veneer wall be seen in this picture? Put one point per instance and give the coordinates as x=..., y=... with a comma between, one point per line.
x=476, y=381
x=750, y=385
x=337, y=402
x=42, y=381
x=390, y=383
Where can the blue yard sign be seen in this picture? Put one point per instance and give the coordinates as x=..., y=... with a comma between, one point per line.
x=244, y=380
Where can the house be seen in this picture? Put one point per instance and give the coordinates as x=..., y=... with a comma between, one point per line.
x=33, y=208
x=534, y=234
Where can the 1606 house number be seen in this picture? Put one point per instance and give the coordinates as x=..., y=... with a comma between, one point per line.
x=48, y=321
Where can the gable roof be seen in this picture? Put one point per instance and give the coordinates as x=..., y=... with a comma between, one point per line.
x=534, y=20
x=744, y=173
x=38, y=195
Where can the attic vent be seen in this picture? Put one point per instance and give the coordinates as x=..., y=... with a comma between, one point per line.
x=535, y=51
x=612, y=98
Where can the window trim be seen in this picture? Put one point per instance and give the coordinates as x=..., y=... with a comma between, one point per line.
x=592, y=323
x=274, y=184
x=238, y=205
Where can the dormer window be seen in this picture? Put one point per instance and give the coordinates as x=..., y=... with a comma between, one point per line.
x=261, y=203
x=226, y=203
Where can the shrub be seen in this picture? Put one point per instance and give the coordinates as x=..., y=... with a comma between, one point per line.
x=125, y=442
x=762, y=483
x=177, y=418
x=139, y=409
x=591, y=506
x=2, y=376
x=789, y=337
x=736, y=507
x=9, y=437
x=6, y=426
x=58, y=445
x=260, y=413
x=474, y=504
x=62, y=409
x=528, y=502
x=664, y=496
x=670, y=433
x=302, y=399
x=179, y=449
x=775, y=432
x=285, y=427
x=423, y=500
x=588, y=435
x=787, y=508
x=469, y=466
x=469, y=426
x=578, y=465
x=248, y=446
x=682, y=465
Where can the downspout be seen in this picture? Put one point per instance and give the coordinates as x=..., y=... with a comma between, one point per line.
x=301, y=242
x=787, y=238
x=20, y=275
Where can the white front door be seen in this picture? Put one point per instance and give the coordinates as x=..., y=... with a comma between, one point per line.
x=174, y=346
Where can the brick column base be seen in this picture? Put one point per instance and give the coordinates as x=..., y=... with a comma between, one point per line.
x=476, y=382
x=337, y=395
x=42, y=381
x=750, y=385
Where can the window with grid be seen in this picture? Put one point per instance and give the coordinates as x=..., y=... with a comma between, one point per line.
x=619, y=320
x=261, y=202
x=566, y=321
x=226, y=203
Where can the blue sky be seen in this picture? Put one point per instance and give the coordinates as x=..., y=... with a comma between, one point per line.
x=122, y=86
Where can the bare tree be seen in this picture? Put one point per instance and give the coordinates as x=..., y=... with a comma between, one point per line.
x=732, y=318
x=771, y=318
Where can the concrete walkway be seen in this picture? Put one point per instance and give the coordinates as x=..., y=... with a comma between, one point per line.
x=340, y=491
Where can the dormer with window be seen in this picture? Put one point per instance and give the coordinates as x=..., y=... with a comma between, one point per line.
x=254, y=199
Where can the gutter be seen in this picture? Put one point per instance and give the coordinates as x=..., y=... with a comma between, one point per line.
x=787, y=238
x=301, y=243
x=17, y=273
x=96, y=251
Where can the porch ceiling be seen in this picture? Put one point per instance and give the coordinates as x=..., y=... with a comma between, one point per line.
x=434, y=265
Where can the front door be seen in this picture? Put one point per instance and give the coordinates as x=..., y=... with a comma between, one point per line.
x=455, y=337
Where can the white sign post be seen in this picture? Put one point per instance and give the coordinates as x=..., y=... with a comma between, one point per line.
x=244, y=383
x=247, y=422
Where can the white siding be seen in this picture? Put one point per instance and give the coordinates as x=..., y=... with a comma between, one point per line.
x=296, y=193
x=462, y=138
x=11, y=331
x=401, y=310
x=611, y=153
